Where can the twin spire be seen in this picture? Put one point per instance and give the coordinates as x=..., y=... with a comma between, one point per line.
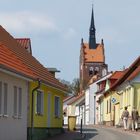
x=92, y=30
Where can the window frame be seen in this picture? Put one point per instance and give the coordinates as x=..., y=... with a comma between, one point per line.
x=58, y=111
x=41, y=111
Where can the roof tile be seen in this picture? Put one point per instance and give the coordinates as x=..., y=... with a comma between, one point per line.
x=29, y=61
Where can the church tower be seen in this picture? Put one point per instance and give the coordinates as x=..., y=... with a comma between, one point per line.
x=92, y=58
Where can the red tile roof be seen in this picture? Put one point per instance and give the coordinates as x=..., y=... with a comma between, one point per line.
x=25, y=43
x=94, y=55
x=129, y=73
x=133, y=74
x=9, y=61
x=29, y=61
x=116, y=75
x=76, y=98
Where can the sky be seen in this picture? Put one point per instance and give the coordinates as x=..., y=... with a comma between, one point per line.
x=56, y=27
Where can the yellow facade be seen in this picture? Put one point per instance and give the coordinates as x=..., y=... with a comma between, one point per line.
x=111, y=109
x=42, y=120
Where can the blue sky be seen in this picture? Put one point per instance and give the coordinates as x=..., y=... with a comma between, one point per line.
x=57, y=26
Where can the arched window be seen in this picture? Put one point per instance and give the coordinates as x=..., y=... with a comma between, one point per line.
x=104, y=72
x=91, y=71
x=96, y=70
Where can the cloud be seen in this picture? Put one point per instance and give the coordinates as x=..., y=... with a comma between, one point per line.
x=27, y=22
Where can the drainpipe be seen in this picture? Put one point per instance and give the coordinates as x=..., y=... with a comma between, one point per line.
x=32, y=106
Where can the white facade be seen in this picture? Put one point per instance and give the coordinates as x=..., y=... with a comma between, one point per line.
x=91, y=109
x=13, y=107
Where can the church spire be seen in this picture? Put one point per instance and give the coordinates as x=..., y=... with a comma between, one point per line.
x=92, y=37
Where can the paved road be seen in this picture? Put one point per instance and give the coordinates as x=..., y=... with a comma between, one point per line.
x=108, y=134
x=98, y=133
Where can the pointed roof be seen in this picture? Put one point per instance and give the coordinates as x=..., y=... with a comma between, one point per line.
x=92, y=37
x=29, y=61
x=92, y=25
x=129, y=74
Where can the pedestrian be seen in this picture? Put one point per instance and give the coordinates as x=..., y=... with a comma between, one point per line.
x=124, y=117
x=135, y=117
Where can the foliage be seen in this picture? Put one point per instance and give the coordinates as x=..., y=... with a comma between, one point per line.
x=73, y=87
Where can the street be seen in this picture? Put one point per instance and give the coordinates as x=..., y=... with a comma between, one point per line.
x=98, y=133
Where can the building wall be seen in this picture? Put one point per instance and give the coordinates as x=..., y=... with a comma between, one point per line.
x=87, y=105
x=41, y=120
x=92, y=103
x=14, y=128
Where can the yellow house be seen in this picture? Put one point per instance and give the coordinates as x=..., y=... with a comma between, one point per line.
x=45, y=94
x=128, y=88
x=109, y=100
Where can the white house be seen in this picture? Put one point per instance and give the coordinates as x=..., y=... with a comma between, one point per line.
x=13, y=107
x=14, y=79
x=91, y=101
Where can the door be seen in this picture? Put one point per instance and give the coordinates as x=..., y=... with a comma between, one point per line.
x=117, y=114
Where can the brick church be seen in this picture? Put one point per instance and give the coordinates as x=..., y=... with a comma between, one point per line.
x=92, y=58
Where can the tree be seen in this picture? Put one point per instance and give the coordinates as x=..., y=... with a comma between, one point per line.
x=75, y=86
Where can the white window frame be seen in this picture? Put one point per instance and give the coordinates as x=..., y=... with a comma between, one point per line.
x=57, y=107
x=41, y=111
x=17, y=104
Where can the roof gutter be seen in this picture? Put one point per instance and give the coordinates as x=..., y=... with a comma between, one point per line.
x=32, y=111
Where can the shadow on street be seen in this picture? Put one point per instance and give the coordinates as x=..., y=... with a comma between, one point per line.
x=87, y=134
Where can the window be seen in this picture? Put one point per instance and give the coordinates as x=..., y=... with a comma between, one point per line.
x=15, y=101
x=96, y=70
x=17, y=106
x=121, y=100
x=39, y=102
x=90, y=71
x=57, y=106
x=20, y=102
x=5, y=98
x=104, y=72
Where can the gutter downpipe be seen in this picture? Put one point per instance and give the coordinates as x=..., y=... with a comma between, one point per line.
x=32, y=106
